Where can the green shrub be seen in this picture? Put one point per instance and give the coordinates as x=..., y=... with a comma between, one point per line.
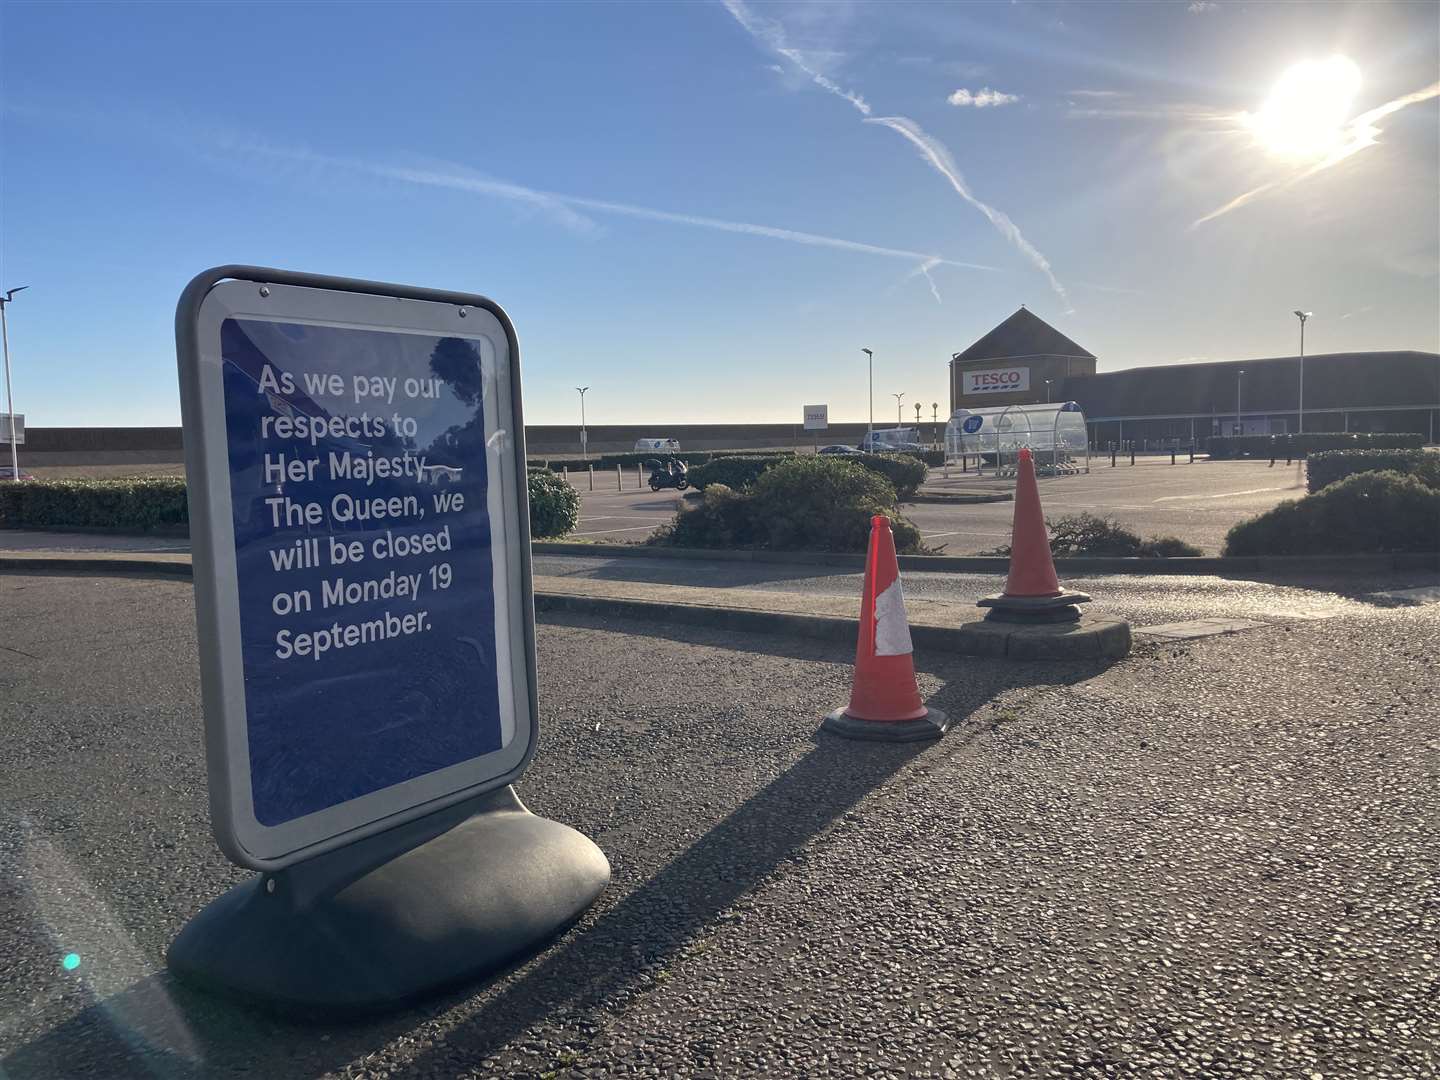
x=554, y=505
x=820, y=504
x=737, y=473
x=1326, y=468
x=933, y=459
x=801, y=504
x=1168, y=547
x=723, y=518
x=904, y=471
x=1366, y=512
x=137, y=503
x=1223, y=447
x=1088, y=535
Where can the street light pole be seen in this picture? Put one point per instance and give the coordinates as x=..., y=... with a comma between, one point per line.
x=9, y=396
x=1239, y=423
x=1302, y=316
x=1047, y=391
x=870, y=431
x=584, y=436
x=899, y=418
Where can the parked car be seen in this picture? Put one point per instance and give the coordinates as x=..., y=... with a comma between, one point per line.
x=8, y=473
x=838, y=448
x=892, y=441
x=662, y=445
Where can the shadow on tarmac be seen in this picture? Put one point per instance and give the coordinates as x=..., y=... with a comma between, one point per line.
x=160, y=1028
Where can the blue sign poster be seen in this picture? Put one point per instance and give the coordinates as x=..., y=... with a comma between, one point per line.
x=361, y=560
x=362, y=549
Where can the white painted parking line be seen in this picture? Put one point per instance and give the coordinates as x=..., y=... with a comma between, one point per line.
x=1196, y=628
x=1231, y=494
x=962, y=532
x=1421, y=594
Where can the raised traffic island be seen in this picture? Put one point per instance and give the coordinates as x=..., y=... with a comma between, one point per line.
x=1036, y=618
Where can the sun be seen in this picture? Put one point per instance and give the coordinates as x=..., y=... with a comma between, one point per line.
x=1306, y=116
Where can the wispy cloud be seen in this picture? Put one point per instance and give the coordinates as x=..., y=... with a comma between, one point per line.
x=935, y=153
x=1359, y=133
x=983, y=98
x=772, y=36
x=1098, y=93
x=1200, y=7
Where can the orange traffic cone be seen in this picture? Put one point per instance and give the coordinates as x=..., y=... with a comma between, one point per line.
x=1032, y=589
x=885, y=699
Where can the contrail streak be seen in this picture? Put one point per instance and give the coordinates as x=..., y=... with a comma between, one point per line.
x=1362, y=133
x=566, y=206
x=772, y=36
x=933, y=151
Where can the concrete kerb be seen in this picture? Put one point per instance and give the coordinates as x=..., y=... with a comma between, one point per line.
x=1250, y=566
x=1280, y=565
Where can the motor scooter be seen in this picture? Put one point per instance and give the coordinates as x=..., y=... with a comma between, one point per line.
x=671, y=474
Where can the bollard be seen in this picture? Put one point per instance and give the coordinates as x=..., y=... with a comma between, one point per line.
x=640, y=476
x=1272, y=451
x=565, y=473
x=1289, y=450
x=1172, y=455
x=620, y=478
x=1112, y=455
x=1192, y=451
x=1132, y=453
x=591, y=468
x=964, y=463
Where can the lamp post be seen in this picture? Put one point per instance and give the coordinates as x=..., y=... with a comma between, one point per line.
x=870, y=430
x=584, y=436
x=1047, y=391
x=9, y=396
x=1239, y=424
x=1302, y=316
x=899, y=419
x=917, y=416
x=935, y=422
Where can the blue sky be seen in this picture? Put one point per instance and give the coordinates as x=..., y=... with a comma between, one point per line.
x=596, y=169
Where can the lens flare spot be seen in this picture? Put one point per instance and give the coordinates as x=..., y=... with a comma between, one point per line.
x=1308, y=112
x=71, y=961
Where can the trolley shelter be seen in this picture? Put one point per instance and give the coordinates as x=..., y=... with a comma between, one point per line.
x=1054, y=433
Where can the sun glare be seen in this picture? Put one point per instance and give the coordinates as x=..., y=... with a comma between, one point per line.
x=1306, y=115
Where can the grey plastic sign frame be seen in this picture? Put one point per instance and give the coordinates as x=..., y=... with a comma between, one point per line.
x=280, y=295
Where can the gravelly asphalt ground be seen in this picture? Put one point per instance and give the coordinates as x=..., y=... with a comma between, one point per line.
x=1215, y=859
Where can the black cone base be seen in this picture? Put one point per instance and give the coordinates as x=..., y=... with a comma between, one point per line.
x=364, y=928
x=1034, y=609
x=930, y=726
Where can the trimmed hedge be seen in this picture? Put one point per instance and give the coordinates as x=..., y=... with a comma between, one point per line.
x=1327, y=468
x=737, y=473
x=141, y=503
x=1365, y=513
x=133, y=504
x=812, y=503
x=554, y=505
x=1226, y=447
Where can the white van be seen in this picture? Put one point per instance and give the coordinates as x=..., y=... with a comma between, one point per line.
x=665, y=446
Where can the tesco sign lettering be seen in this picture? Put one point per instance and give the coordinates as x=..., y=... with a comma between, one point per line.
x=998, y=381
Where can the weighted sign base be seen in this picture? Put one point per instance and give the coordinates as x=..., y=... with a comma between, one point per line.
x=396, y=916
